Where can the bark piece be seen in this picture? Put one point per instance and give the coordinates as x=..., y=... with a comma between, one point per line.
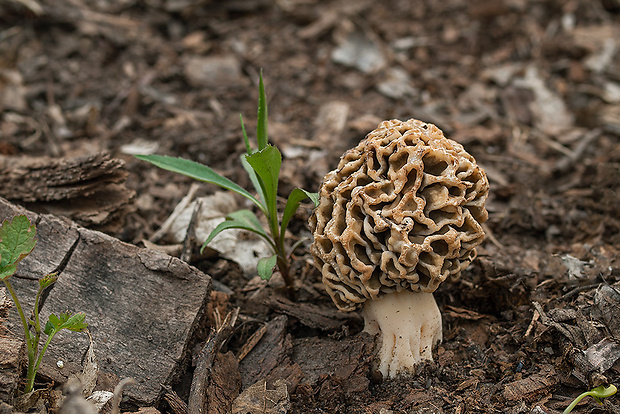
x=335, y=366
x=87, y=189
x=213, y=386
x=224, y=386
x=142, y=306
x=533, y=387
x=12, y=356
x=5, y=305
x=607, y=299
x=12, y=353
x=261, y=399
x=270, y=359
x=325, y=319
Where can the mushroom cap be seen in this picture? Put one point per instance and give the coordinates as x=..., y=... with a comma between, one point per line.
x=402, y=211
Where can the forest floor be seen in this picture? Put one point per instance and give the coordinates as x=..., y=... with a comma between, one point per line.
x=531, y=88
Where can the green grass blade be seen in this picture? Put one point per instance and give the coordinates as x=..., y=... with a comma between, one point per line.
x=249, y=219
x=292, y=204
x=198, y=172
x=242, y=219
x=265, y=266
x=261, y=126
x=266, y=163
x=245, y=136
x=253, y=178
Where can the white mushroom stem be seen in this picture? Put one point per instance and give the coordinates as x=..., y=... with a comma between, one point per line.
x=409, y=325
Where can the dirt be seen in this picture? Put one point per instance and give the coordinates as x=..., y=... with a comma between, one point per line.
x=531, y=88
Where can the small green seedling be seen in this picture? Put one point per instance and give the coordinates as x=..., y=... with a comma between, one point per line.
x=263, y=168
x=597, y=393
x=17, y=240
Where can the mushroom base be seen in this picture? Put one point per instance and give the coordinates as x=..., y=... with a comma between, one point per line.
x=408, y=324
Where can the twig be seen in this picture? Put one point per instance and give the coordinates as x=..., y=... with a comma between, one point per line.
x=186, y=253
x=118, y=393
x=175, y=213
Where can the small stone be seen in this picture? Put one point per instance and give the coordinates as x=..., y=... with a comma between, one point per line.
x=214, y=71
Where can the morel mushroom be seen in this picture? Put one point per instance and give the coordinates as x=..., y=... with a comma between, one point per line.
x=399, y=215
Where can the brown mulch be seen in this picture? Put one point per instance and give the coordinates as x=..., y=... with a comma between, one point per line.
x=531, y=88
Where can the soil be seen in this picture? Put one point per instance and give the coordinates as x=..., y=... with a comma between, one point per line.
x=531, y=88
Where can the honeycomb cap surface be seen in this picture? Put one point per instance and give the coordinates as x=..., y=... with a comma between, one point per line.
x=402, y=211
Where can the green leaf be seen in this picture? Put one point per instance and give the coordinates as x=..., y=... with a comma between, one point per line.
x=76, y=323
x=198, y=172
x=245, y=137
x=249, y=219
x=292, y=204
x=265, y=266
x=49, y=328
x=242, y=219
x=17, y=240
x=266, y=163
x=47, y=280
x=254, y=179
x=65, y=321
x=261, y=126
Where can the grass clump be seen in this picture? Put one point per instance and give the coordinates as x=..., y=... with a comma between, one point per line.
x=263, y=167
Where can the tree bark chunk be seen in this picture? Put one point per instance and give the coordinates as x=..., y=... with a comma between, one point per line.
x=87, y=189
x=12, y=356
x=270, y=359
x=335, y=367
x=142, y=306
x=533, y=387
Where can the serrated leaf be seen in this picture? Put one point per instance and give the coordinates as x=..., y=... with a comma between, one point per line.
x=265, y=266
x=198, y=172
x=17, y=240
x=261, y=126
x=241, y=219
x=65, y=321
x=75, y=323
x=292, y=204
x=266, y=163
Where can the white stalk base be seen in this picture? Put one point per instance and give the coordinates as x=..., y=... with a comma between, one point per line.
x=409, y=326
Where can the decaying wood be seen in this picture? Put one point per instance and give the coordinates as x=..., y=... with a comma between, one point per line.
x=174, y=401
x=326, y=319
x=261, y=399
x=12, y=355
x=198, y=398
x=87, y=189
x=48, y=179
x=270, y=359
x=533, y=387
x=224, y=386
x=5, y=305
x=142, y=306
x=333, y=367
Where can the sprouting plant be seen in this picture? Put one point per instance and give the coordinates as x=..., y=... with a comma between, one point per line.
x=17, y=240
x=597, y=393
x=263, y=167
